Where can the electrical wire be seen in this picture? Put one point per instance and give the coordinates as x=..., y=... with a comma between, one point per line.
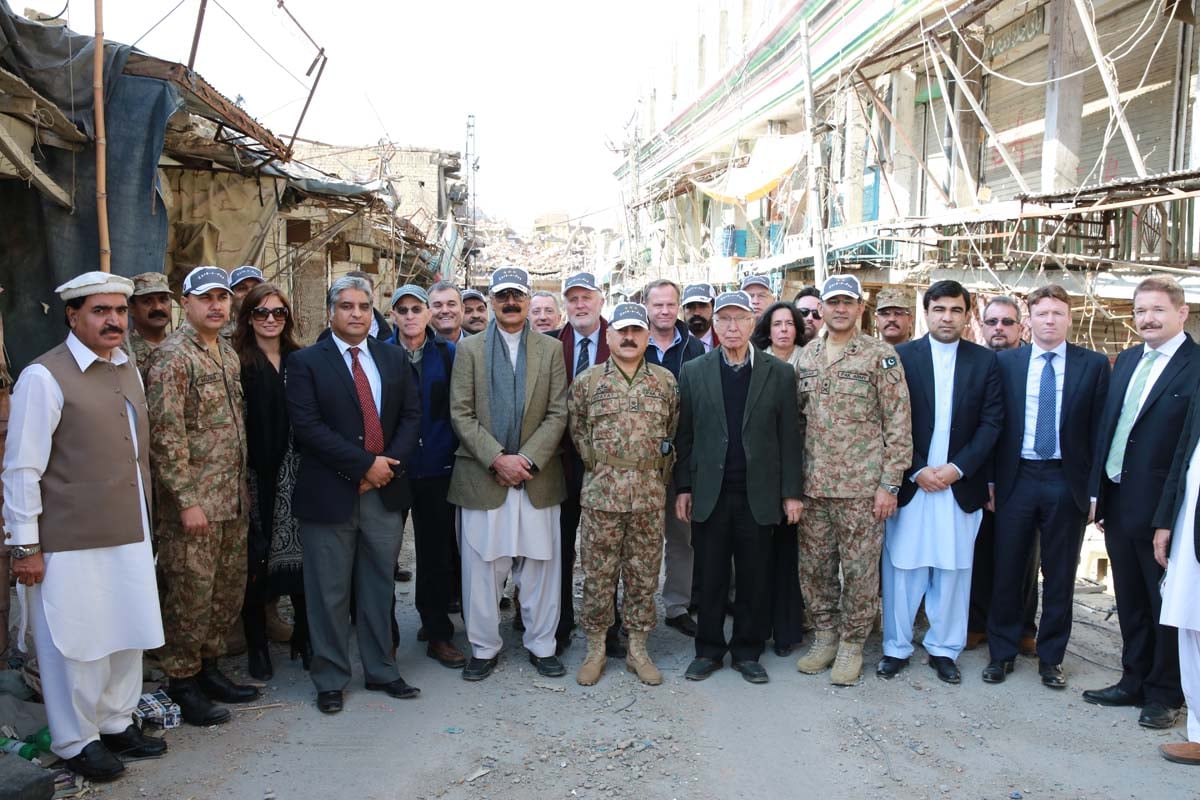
x=266, y=52
x=160, y=22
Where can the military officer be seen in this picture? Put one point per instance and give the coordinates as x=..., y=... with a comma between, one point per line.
x=198, y=464
x=149, y=317
x=854, y=407
x=623, y=414
x=894, y=308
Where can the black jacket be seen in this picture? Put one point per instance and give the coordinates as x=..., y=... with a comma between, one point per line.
x=1175, y=489
x=683, y=351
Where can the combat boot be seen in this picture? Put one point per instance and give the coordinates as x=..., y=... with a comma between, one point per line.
x=277, y=629
x=638, y=660
x=820, y=653
x=847, y=667
x=593, y=663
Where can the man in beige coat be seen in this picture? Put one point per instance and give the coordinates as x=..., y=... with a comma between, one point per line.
x=508, y=406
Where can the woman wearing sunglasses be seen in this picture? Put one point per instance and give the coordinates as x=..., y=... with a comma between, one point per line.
x=264, y=338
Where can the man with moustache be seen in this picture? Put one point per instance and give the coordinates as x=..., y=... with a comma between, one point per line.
x=808, y=302
x=446, y=310
x=77, y=525
x=198, y=460
x=1002, y=331
x=544, y=313
x=475, y=312
x=698, y=313
x=149, y=317
x=1147, y=405
x=241, y=281
x=894, y=309
x=622, y=420
x=508, y=406
x=758, y=289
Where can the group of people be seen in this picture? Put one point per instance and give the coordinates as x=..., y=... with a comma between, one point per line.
x=767, y=460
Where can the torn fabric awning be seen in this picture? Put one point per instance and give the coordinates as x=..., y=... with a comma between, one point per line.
x=774, y=157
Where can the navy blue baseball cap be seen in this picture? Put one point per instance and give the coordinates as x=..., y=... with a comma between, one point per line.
x=410, y=290
x=733, y=300
x=581, y=280
x=841, y=286
x=205, y=279
x=245, y=274
x=698, y=293
x=510, y=278
x=756, y=280
x=473, y=294
x=626, y=315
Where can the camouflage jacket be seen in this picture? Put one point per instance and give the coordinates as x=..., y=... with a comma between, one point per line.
x=856, y=418
x=139, y=350
x=197, y=435
x=620, y=429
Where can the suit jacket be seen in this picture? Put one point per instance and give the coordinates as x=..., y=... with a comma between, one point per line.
x=572, y=464
x=1148, y=450
x=1175, y=488
x=975, y=420
x=327, y=427
x=543, y=425
x=770, y=436
x=1085, y=386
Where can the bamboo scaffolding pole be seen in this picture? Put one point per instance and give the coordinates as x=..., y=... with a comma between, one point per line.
x=101, y=141
x=955, y=133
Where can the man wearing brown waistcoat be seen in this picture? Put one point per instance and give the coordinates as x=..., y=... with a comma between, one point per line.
x=76, y=515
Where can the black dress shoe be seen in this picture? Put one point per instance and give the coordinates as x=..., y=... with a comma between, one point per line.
x=478, y=668
x=548, y=666
x=1052, y=675
x=217, y=686
x=96, y=763
x=890, y=666
x=783, y=650
x=329, y=702
x=946, y=669
x=682, y=623
x=132, y=743
x=561, y=645
x=1158, y=716
x=1112, y=696
x=194, y=705
x=397, y=688
x=996, y=671
x=701, y=668
x=258, y=663
x=752, y=671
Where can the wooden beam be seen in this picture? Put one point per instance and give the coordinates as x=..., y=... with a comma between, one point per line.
x=955, y=132
x=17, y=105
x=30, y=171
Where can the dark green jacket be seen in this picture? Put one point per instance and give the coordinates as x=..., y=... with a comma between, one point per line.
x=770, y=436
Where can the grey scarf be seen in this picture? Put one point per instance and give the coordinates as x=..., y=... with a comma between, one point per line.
x=506, y=390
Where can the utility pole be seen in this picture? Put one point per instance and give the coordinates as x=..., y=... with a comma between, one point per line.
x=816, y=168
x=472, y=164
x=634, y=229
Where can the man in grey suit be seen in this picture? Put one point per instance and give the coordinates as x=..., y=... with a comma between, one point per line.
x=508, y=405
x=738, y=476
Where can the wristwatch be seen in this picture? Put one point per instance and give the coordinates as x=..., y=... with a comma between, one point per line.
x=892, y=490
x=24, y=550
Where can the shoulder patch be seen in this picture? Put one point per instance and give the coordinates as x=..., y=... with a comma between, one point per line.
x=892, y=376
x=888, y=362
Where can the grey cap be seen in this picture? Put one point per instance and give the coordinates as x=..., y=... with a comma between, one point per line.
x=473, y=294
x=841, y=285
x=756, y=280
x=733, y=300
x=581, y=280
x=626, y=315
x=698, y=293
x=410, y=290
x=204, y=279
x=510, y=278
x=244, y=274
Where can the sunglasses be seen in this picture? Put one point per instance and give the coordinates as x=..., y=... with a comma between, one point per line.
x=509, y=294
x=262, y=312
x=1007, y=322
x=809, y=312
x=406, y=310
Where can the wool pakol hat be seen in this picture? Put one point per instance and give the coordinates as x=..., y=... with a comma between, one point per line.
x=96, y=282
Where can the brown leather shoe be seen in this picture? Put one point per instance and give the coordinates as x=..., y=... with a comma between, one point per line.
x=1027, y=646
x=1182, y=753
x=974, y=639
x=446, y=654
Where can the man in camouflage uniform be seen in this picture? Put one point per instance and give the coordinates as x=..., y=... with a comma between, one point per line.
x=198, y=463
x=623, y=414
x=894, y=308
x=149, y=317
x=854, y=407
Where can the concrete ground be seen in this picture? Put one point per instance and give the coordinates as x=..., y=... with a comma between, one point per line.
x=517, y=735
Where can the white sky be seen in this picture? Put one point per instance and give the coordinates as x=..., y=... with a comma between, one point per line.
x=547, y=80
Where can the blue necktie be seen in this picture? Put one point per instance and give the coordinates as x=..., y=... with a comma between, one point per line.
x=1045, y=435
x=581, y=363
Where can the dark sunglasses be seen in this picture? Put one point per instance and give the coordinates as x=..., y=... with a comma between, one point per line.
x=809, y=312
x=1007, y=322
x=262, y=312
x=406, y=310
x=509, y=294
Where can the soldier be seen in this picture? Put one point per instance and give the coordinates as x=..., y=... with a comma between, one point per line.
x=894, y=314
x=623, y=414
x=150, y=317
x=198, y=462
x=854, y=405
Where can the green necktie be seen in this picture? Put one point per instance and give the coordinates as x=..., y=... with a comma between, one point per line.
x=1129, y=411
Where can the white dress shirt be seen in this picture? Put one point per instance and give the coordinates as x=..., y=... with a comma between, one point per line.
x=1165, y=352
x=368, y=367
x=1033, y=385
x=707, y=340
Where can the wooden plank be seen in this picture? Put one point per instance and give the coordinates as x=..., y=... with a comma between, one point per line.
x=30, y=171
x=17, y=105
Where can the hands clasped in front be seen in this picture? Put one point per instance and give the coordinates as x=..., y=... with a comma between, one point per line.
x=511, y=470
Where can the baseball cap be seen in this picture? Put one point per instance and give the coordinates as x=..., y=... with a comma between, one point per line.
x=627, y=315
x=473, y=294
x=581, y=280
x=410, y=290
x=244, y=274
x=896, y=297
x=698, y=293
x=203, y=279
x=510, y=278
x=150, y=283
x=756, y=280
x=733, y=300
x=843, y=286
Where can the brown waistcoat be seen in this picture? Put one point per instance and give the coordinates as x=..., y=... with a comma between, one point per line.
x=89, y=490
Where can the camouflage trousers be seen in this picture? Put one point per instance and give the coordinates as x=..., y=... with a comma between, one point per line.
x=626, y=545
x=202, y=581
x=840, y=531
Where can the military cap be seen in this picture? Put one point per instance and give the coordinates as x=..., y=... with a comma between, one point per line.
x=150, y=283
x=896, y=297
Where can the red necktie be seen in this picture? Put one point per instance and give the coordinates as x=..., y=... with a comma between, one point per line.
x=372, y=430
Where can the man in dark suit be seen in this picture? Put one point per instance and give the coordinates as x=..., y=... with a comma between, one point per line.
x=738, y=475
x=356, y=417
x=1053, y=394
x=1152, y=386
x=928, y=546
